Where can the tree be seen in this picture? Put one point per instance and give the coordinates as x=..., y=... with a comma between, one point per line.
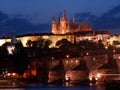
x=40, y=42
x=100, y=44
x=34, y=44
x=4, y=58
x=86, y=45
x=64, y=44
x=29, y=43
x=4, y=48
x=20, y=59
x=116, y=42
x=47, y=43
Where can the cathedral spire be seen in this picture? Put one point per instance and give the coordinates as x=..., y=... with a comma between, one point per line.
x=53, y=21
x=64, y=14
x=73, y=20
x=54, y=26
x=13, y=37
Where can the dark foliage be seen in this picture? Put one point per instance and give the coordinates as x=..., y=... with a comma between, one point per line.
x=64, y=44
x=20, y=59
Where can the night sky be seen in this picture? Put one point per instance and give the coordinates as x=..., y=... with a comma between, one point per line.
x=28, y=16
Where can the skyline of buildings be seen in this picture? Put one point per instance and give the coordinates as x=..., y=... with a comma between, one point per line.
x=64, y=29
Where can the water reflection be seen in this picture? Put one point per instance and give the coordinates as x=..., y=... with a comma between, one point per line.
x=61, y=88
x=8, y=85
x=54, y=87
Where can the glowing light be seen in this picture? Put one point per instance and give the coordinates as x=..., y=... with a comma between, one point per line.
x=13, y=74
x=87, y=53
x=71, y=61
x=98, y=75
x=119, y=57
x=76, y=61
x=93, y=79
x=91, y=84
x=94, y=59
x=8, y=74
x=67, y=61
x=10, y=49
x=96, y=78
x=106, y=47
x=52, y=58
x=67, y=78
x=89, y=38
x=114, y=51
x=67, y=56
x=90, y=78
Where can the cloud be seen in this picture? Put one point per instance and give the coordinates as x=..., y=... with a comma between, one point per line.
x=85, y=17
x=20, y=25
x=109, y=20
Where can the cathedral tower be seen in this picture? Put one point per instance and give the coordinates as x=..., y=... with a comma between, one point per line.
x=54, y=26
x=13, y=38
x=64, y=24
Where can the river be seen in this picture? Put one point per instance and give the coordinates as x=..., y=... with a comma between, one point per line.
x=57, y=88
x=4, y=85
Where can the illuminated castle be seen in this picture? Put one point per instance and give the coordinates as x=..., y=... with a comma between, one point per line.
x=64, y=27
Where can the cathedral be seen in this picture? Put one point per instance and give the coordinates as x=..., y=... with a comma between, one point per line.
x=63, y=26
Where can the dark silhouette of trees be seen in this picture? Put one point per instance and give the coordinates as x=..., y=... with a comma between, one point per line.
x=100, y=44
x=116, y=42
x=40, y=43
x=64, y=44
x=4, y=59
x=47, y=43
x=86, y=45
x=29, y=43
x=20, y=59
x=4, y=51
x=89, y=45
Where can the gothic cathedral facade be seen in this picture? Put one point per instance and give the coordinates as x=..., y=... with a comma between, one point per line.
x=64, y=27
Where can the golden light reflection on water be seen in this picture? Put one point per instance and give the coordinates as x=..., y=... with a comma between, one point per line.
x=13, y=85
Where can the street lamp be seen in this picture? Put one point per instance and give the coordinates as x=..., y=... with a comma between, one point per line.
x=119, y=57
x=87, y=53
x=67, y=56
x=52, y=58
x=114, y=51
x=106, y=47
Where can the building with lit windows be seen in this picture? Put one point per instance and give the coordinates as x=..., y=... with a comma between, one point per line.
x=115, y=38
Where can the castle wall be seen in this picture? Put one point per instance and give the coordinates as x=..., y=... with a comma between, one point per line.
x=114, y=38
x=53, y=38
x=2, y=41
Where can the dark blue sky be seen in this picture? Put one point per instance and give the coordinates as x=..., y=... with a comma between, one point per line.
x=43, y=10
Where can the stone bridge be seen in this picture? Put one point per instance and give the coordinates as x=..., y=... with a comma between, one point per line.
x=50, y=68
